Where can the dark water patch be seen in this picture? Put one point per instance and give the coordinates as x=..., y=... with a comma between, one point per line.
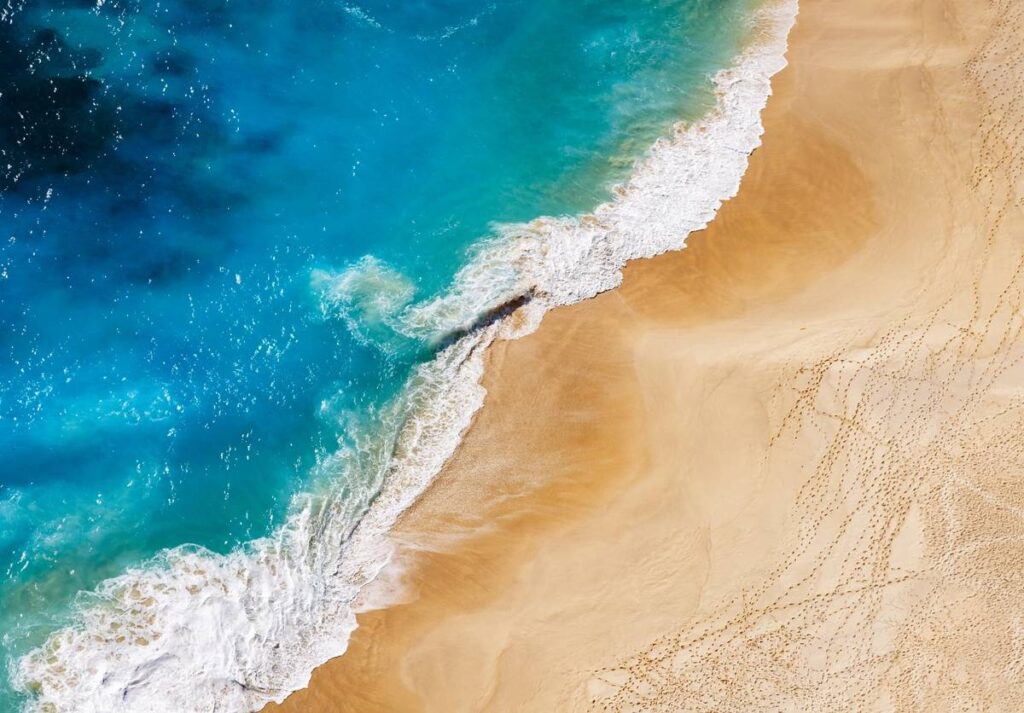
x=173, y=64
x=51, y=56
x=53, y=116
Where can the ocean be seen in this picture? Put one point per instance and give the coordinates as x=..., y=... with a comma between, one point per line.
x=251, y=253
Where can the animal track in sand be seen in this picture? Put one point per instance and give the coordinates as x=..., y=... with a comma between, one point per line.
x=903, y=585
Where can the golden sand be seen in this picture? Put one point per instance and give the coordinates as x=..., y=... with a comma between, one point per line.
x=781, y=469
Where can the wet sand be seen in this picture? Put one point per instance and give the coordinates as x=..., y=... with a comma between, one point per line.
x=782, y=469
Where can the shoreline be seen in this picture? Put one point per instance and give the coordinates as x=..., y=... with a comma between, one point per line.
x=732, y=475
x=130, y=648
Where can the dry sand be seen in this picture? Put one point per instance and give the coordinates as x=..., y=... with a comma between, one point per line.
x=782, y=469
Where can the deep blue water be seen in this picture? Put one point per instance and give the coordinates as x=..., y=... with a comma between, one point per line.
x=171, y=175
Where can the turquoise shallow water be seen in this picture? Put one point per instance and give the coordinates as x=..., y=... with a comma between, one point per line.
x=172, y=178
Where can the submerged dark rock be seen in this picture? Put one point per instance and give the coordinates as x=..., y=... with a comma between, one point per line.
x=486, y=319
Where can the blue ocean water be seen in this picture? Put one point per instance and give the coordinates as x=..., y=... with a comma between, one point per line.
x=174, y=174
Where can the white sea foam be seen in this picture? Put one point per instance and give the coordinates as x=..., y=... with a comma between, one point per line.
x=198, y=631
x=368, y=296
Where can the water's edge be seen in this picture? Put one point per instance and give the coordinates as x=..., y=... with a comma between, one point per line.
x=248, y=628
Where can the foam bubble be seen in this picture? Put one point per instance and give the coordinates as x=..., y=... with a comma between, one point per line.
x=193, y=630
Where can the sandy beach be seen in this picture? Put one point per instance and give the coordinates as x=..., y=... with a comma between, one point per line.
x=778, y=470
